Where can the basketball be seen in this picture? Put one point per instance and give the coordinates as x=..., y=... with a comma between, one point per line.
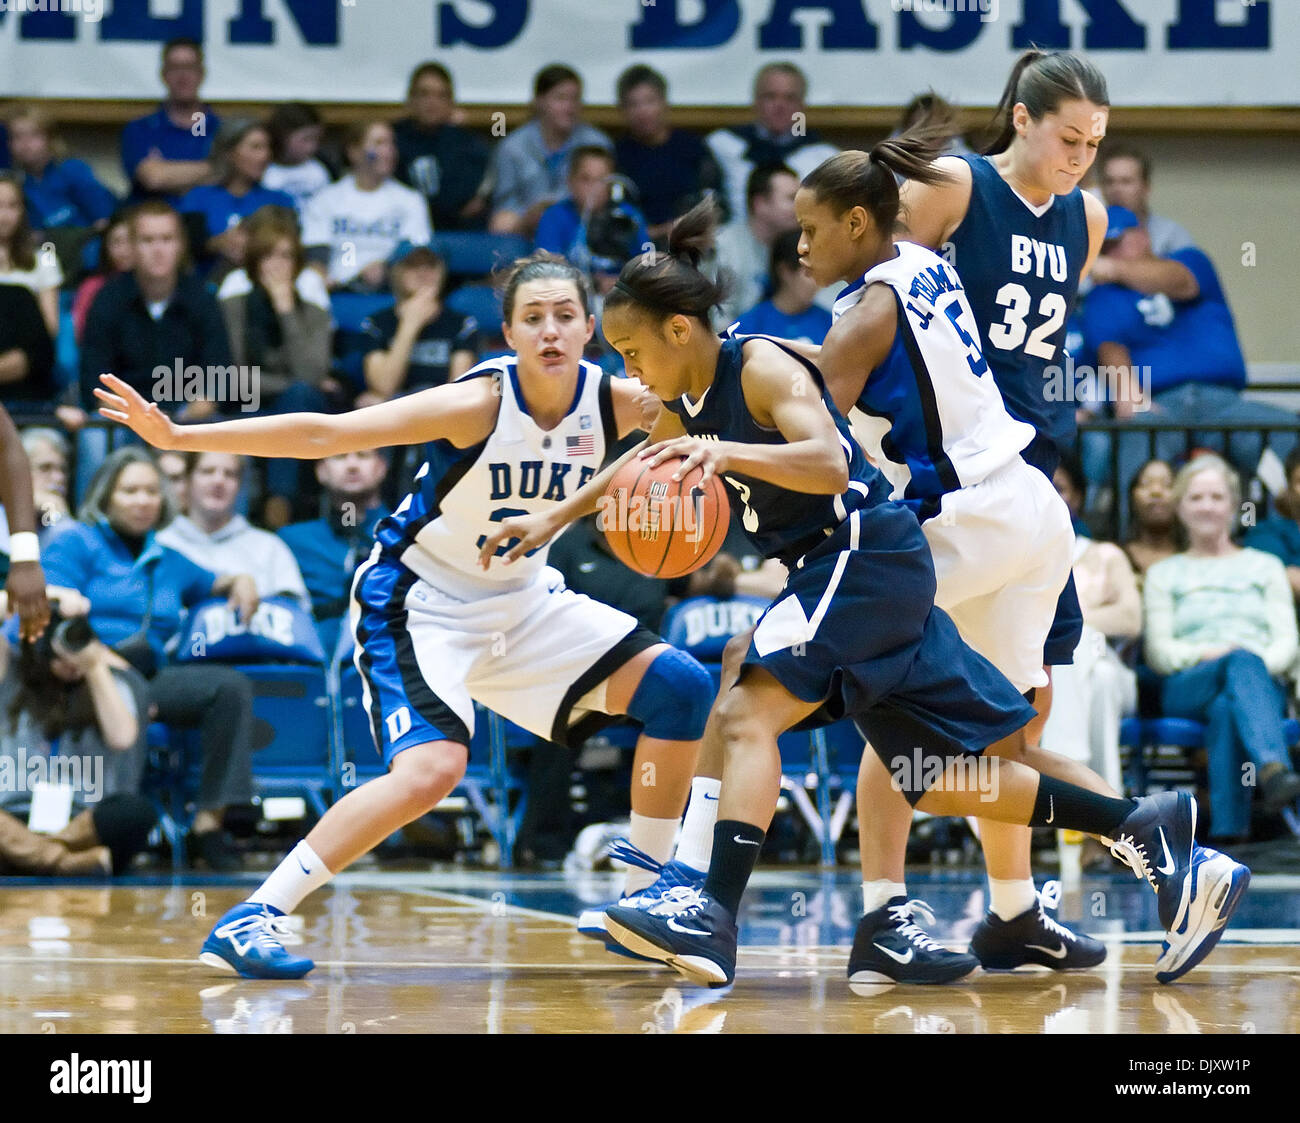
x=663, y=527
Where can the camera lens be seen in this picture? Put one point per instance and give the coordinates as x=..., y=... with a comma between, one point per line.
x=73, y=635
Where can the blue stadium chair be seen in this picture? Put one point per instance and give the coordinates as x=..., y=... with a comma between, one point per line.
x=293, y=732
x=350, y=309
x=481, y=302
x=476, y=254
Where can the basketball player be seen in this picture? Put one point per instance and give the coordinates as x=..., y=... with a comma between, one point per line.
x=855, y=630
x=434, y=630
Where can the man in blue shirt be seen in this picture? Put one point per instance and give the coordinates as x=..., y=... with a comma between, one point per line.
x=329, y=549
x=59, y=192
x=166, y=153
x=1167, y=347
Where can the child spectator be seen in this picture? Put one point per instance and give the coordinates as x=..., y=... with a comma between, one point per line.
x=65, y=202
x=295, y=168
x=419, y=342
x=20, y=261
x=212, y=535
x=267, y=227
x=593, y=230
x=531, y=164
x=116, y=255
x=240, y=159
x=672, y=168
x=792, y=312
x=353, y=227
x=445, y=163
x=166, y=153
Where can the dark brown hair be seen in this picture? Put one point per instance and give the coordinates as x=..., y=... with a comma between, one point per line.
x=427, y=68
x=1127, y=152
x=286, y=119
x=671, y=284
x=1042, y=80
x=867, y=179
x=265, y=227
x=641, y=75
x=541, y=266
x=22, y=247
x=554, y=75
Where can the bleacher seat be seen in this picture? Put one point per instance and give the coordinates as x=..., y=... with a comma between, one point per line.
x=292, y=734
x=480, y=301
x=477, y=254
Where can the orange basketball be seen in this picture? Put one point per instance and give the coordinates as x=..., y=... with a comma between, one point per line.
x=663, y=527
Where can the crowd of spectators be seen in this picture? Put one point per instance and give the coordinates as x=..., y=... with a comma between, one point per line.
x=323, y=264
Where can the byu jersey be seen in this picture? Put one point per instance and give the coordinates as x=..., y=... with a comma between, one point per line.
x=519, y=469
x=930, y=414
x=1020, y=266
x=783, y=524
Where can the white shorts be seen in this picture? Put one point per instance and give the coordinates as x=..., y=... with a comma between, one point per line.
x=1002, y=551
x=538, y=656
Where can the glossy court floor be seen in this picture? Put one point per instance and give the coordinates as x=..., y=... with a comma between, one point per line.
x=497, y=953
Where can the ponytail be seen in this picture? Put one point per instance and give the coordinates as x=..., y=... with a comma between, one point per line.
x=1042, y=80
x=671, y=284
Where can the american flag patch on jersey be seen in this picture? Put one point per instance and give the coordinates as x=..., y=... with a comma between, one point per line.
x=582, y=445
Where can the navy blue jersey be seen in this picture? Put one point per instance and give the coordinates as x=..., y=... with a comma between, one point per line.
x=1020, y=268
x=783, y=524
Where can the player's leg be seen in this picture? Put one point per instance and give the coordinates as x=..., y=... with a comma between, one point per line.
x=694, y=931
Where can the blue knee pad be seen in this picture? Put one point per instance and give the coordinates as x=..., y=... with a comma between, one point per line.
x=673, y=698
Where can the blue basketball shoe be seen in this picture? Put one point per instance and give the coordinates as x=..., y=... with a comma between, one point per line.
x=1197, y=889
x=1034, y=938
x=249, y=940
x=891, y=947
x=689, y=931
x=591, y=922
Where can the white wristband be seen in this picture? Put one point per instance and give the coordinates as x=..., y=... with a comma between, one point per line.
x=24, y=547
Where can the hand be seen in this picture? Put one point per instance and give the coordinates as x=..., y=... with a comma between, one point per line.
x=648, y=404
x=71, y=602
x=85, y=660
x=145, y=419
x=1104, y=271
x=276, y=276
x=419, y=308
x=709, y=455
x=72, y=418
x=243, y=597
x=26, y=596
x=533, y=531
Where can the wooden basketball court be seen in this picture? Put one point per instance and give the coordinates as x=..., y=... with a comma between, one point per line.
x=497, y=953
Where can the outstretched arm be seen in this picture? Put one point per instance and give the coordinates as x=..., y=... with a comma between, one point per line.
x=461, y=412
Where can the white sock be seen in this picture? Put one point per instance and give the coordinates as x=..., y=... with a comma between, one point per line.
x=300, y=873
x=877, y=894
x=656, y=838
x=696, y=845
x=1008, y=899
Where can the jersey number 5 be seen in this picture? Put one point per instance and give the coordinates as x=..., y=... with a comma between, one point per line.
x=1010, y=333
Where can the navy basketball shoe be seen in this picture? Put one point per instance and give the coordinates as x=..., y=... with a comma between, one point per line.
x=1035, y=937
x=249, y=940
x=591, y=922
x=689, y=931
x=890, y=947
x=1197, y=889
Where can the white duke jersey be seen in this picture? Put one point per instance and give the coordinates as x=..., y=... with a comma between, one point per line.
x=460, y=494
x=930, y=415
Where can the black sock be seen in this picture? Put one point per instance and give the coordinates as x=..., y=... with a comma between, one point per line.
x=735, y=850
x=1067, y=807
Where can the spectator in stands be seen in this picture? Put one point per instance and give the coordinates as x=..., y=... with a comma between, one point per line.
x=136, y=591
x=791, y=313
x=744, y=249
x=1126, y=182
x=65, y=202
x=1220, y=622
x=96, y=707
x=445, y=163
x=175, y=472
x=672, y=168
x=1090, y=695
x=47, y=457
x=296, y=167
x=212, y=535
x=594, y=229
x=353, y=227
x=21, y=263
x=329, y=549
x=1279, y=535
x=240, y=158
x=419, y=342
x=271, y=228
x=26, y=352
x=116, y=255
x=1178, y=356
x=159, y=315
x=166, y=153
x=929, y=108
x=531, y=165
x=1154, y=533
x=778, y=135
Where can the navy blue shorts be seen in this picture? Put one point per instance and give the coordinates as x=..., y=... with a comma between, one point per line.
x=855, y=628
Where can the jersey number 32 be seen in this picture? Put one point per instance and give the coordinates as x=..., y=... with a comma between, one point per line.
x=1010, y=333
